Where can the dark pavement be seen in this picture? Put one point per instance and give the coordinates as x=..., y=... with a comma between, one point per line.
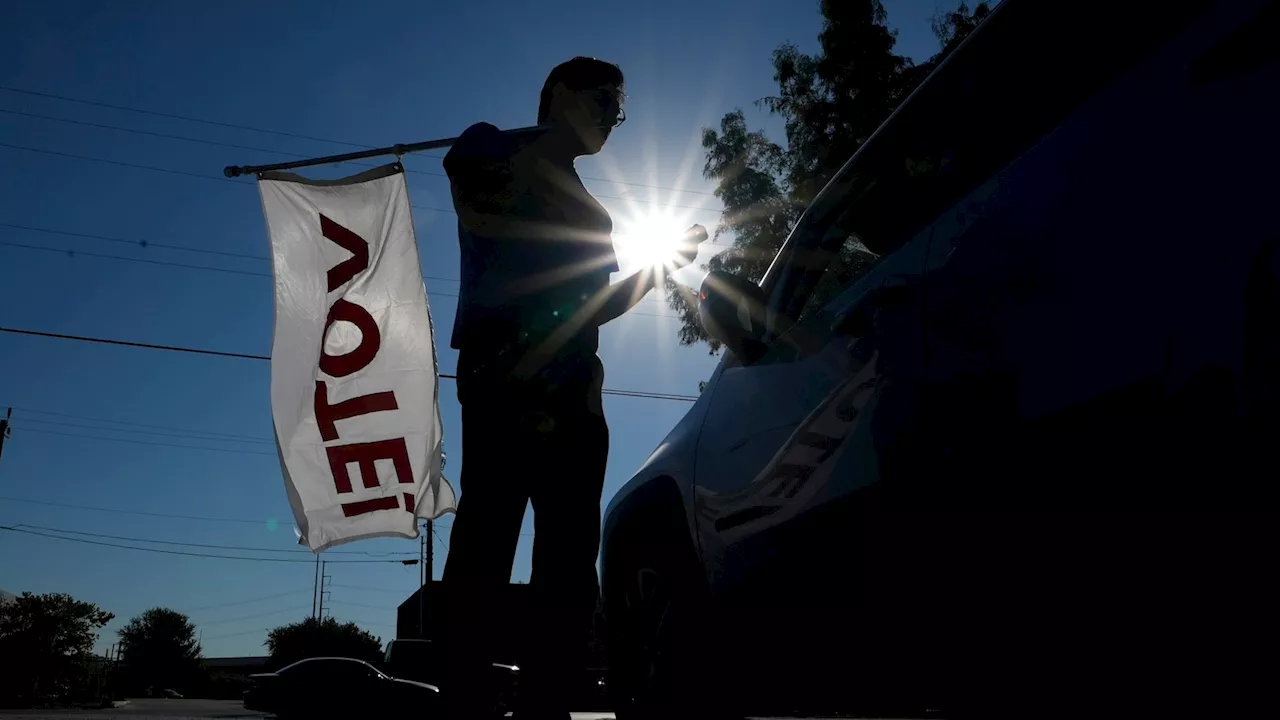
x=157, y=709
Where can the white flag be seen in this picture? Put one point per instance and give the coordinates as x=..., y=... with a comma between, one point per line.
x=354, y=378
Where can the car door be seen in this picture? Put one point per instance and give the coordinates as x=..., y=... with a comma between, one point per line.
x=791, y=432
x=363, y=687
x=307, y=685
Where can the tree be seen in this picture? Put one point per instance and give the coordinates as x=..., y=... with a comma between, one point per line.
x=159, y=649
x=950, y=28
x=317, y=638
x=831, y=103
x=45, y=638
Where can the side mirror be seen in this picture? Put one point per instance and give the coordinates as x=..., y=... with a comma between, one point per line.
x=732, y=311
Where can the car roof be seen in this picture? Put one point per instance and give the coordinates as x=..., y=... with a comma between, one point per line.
x=325, y=657
x=840, y=186
x=1022, y=71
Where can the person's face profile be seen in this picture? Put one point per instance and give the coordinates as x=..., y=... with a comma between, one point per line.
x=593, y=113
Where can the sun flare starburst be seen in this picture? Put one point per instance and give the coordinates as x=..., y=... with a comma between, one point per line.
x=652, y=239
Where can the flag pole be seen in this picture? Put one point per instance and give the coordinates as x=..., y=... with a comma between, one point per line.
x=238, y=170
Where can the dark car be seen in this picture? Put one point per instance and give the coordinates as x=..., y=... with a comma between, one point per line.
x=337, y=687
x=419, y=660
x=1035, y=313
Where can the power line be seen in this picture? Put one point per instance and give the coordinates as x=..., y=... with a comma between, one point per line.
x=139, y=243
x=121, y=163
x=204, y=545
x=165, y=263
x=250, y=183
x=371, y=623
x=149, y=442
x=439, y=525
x=146, y=244
x=63, y=423
x=254, y=438
x=142, y=513
x=238, y=634
x=203, y=141
x=184, y=553
x=252, y=617
x=151, y=133
x=372, y=589
x=359, y=605
x=173, y=116
x=247, y=356
x=149, y=244
x=168, y=263
x=247, y=601
x=232, y=271
x=215, y=123
x=125, y=343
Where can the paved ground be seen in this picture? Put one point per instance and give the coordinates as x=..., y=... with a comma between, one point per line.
x=149, y=708
x=155, y=709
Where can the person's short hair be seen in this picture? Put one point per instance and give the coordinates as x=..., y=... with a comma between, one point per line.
x=580, y=73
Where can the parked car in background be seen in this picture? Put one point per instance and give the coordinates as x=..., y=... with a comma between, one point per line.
x=1074, y=306
x=337, y=687
x=419, y=660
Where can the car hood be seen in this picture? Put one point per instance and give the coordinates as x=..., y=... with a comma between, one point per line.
x=423, y=685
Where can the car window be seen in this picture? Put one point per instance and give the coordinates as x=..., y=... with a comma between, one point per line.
x=300, y=669
x=335, y=669
x=817, y=269
x=354, y=669
x=846, y=265
x=410, y=652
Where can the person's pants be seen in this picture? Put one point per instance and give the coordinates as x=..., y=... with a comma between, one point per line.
x=521, y=446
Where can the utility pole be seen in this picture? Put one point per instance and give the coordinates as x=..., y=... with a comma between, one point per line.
x=323, y=577
x=428, y=570
x=431, y=551
x=315, y=590
x=426, y=564
x=422, y=585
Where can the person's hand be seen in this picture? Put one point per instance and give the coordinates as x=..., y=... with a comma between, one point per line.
x=687, y=250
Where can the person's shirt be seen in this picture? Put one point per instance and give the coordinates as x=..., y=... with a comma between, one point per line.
x=540, y=257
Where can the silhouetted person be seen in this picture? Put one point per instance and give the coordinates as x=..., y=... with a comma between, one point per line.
x=536, y=257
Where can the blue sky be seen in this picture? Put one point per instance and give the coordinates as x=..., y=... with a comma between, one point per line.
x=371, y=73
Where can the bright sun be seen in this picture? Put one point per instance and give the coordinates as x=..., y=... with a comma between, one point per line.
x=652, y=238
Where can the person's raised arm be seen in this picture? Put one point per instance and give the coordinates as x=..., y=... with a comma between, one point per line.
x=487, y=172
x=621, y=297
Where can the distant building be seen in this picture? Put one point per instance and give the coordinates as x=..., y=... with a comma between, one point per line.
x=236, y=665
x=228, y=677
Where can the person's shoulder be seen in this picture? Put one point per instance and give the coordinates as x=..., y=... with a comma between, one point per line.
x=481, y=132
x=481, y=141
